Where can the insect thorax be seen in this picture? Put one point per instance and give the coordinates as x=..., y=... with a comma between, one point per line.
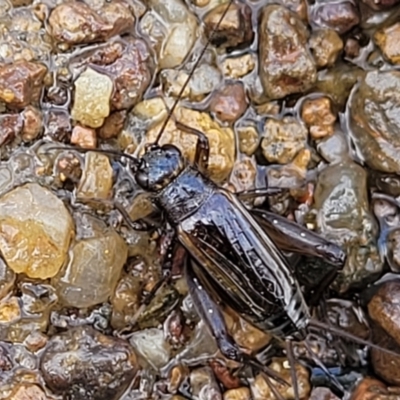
x=185, y=195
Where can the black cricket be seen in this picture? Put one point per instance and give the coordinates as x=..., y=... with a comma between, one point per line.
x=235, y=253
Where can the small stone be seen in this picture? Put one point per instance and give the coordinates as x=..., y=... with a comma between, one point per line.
x=388, y=40
x=229, y=103
x=97, y=178
x=84, y=137
x=242, y=393
x=57, y=125
x=7, y=279
x=10, y=127
x=224, y=375
x=68, y=167
x=372, y=389
x=340, y=16
x=234, y=31
x=26, y=391
x=36, y=247
x=326, y=46
x=244, y=174
x=283, y=140
x=92, y=98
x=203, y=384
x=238, y=67
x=322, y=393
x=249, y=139
x=352, y=48
x=317, y=115
x=83, y=364
x=152, y=346
x=93, y=271
x=35, y=341
x=125, y=301
x=177, y=375
x=285, y=65
x=113, y=125
x=76, y=22
x=10, y=310
x=245, y=334
x=261, y=391
x=384, y=308
x=381, y=4
x=21, y=83
x=32, y=125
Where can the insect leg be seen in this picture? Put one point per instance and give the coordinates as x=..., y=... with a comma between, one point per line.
x=292, y=237
x=290, y=356
x=212, y=316
x=202, y=148
x=251, y=194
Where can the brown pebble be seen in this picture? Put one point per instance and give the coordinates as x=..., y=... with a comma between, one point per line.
x=35, y=341
x=10, y=127
x=326, y=46
x=388, y=40
x=352, y=48
x=381, y=4
x=33, y=123
x=21, y=83
x=58, y=125
x=113, y=125
x=69, y=167
x=229, y=103
x=224, y=375
x=84, y=137
x=369, y=389
x=318, y=116
x=341, y=16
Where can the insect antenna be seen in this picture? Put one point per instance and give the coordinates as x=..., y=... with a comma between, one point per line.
x=292, y=364
x=115, y=153
x=315, y=325
x=196, y=64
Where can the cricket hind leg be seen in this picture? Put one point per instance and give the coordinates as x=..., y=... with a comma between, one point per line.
x=202, y=154
x=211, y=314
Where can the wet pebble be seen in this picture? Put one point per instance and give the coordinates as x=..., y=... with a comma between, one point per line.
x=234, y=31
x=225, y=376
x=380, y=4
x=322, y=393
x=97, y=178
x=173, y=30
x=326, y=46
x=32, y=124
x=21, y=83
x=26, y=313
x=10, y=127
x=84, y=137
x=26, y=391
x=125, y=301
x=285, y=65
x=318, y=116
x=77, y=23
x=388, y=39
x=151, y=345
x=341, y=15
x=372, y=389
x=204, y=385
x=7, y=279
x=343, y=216
x=261, y=391
x=36, y=247
x=57, y=125
x=93, y=270
x=229, y=103
x=237, y=67
x=248, y=138
x=84, y=364
x=113, y=125
x=92, y=98
x=373, y=117
x=283, y=139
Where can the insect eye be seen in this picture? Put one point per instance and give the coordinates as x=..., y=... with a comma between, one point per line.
x=142, y=179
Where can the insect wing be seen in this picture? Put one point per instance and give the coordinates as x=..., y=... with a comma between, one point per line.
x=241, y=262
